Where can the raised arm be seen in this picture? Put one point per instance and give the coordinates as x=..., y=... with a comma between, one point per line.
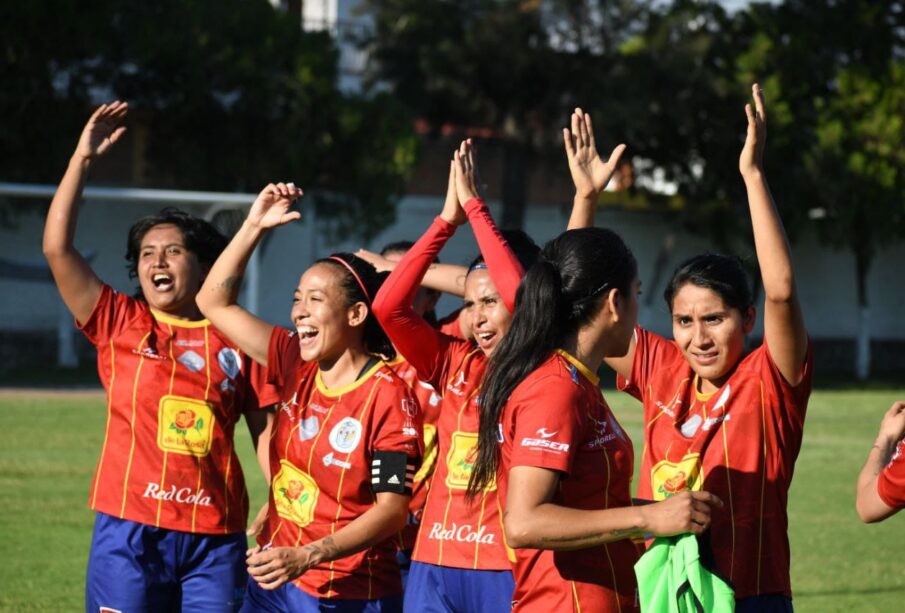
x=413, y=337
x=784, y=329
x=217, y=297
x=503, y=266
x=78, y=284
x=590, y=174
x=449, y=278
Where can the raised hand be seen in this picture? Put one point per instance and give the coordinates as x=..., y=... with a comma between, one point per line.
x=892, y=428
x=684, y=512
x=466, y=172
x=590, y=174
x=103, y=129
x=751, y=160
x=452, y=211
x=376, y=260
x=271, y=207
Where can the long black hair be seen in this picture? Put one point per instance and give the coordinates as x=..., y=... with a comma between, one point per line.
x=362, y=286
x=559, y=294
x=200, y=236
x=723, y=274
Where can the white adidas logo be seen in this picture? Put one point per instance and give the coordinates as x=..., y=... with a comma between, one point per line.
x=394, y=480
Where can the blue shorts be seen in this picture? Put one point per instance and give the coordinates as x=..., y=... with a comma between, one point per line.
x=288, y=597
x=136, y=567
x=443, y=589
x=764, y=603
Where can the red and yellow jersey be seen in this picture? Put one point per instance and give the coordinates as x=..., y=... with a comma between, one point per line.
x=891, y=482
x=429, y=401
x=175, y=390
x=321, y=452
x=557, y=419
x=454, y=531
x=739, y=443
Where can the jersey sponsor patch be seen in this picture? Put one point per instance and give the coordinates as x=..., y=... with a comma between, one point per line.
x=331, y=460
x=461, y=534
x=185, y=425
x=294, y=494
x=544, y=441
x=460, y=460
x=182, y=495
x=669, y=478
x=345, y=435
x=230, y=362
x=192, y=361
x=308, y=428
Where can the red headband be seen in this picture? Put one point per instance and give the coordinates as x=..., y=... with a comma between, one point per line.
x=354, y=274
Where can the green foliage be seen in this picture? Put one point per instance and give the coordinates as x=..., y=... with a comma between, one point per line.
x=225, y=94
x=49, y=446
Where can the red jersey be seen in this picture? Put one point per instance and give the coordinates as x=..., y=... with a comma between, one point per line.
x=891, y=482
x=739, y=443
x=449, y=325
x=429, y=402
x=320, y=454
x=556, y=418
x=453, y=532
x=175, y=390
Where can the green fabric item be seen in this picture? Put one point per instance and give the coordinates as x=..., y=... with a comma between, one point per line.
x=671, y=579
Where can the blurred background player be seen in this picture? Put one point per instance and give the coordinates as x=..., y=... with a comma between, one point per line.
x=168, y=490
x=722, y=421
x=881, y=484
x=346, y=439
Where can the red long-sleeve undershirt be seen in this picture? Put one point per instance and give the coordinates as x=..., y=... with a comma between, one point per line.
x=420, y=343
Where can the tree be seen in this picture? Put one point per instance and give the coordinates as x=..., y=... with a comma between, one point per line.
x=227, y=95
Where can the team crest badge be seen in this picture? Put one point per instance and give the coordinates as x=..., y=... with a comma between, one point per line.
x=230, y=362
x=345, y=435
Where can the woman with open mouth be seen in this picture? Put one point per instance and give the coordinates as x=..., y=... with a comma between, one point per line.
x=347, y=436
x=168, y=490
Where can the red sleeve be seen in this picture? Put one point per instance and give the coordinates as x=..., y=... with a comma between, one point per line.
x=112, y=311
x=419, y=343
x=503, y=266
x=547, y=423
x=449, y=325
x=283, y=357
x=891, y=482
x=652, y=351
x=397, y=420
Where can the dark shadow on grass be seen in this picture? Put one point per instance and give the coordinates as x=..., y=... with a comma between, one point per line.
x=845, y=592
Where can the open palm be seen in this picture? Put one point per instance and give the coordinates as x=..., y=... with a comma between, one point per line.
x=590, y=173
x=102, y=130
x=272, y=206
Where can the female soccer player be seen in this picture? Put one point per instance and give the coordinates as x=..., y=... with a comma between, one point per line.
x=346, y=438
x=881, y=484
x=168, y=490
x=718, y=420
x=561, y=461
x=460, y=561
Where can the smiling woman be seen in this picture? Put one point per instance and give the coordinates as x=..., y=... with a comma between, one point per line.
x=346, y=441
x=167, y=476
x=717, y=419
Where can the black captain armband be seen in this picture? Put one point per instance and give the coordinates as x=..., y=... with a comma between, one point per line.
x=392, y=471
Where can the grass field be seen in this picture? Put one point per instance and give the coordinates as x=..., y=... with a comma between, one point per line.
x=49, y=444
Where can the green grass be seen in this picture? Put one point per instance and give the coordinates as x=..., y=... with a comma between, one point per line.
x=49, y=444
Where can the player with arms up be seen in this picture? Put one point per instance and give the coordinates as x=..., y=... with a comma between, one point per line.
x=168, y=489
x=881, y=484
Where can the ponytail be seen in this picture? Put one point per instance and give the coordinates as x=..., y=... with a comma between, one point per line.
x=559, y=294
